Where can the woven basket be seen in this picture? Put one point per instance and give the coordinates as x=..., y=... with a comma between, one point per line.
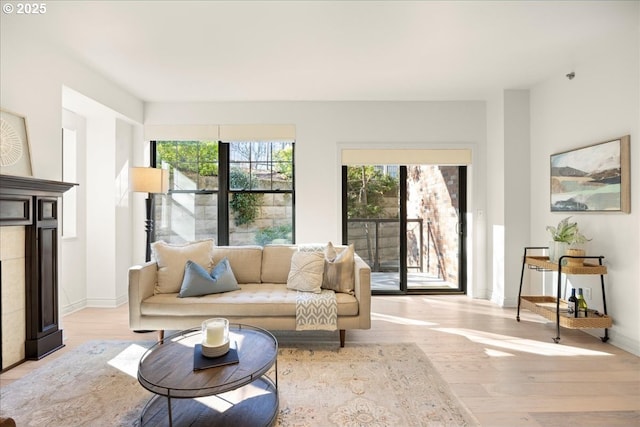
x=545, y=306
x=575, y=262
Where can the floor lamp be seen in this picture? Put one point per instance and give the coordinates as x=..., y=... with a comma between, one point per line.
x=150, y=181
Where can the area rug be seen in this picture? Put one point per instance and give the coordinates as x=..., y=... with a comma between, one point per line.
x=360, y=385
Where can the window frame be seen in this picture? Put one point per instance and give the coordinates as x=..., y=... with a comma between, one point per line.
x=224, y=191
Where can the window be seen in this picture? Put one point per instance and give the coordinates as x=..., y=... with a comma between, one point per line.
x=239, y=193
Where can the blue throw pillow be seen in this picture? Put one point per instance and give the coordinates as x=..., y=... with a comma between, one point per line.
x=197, y=281
x=224, y=277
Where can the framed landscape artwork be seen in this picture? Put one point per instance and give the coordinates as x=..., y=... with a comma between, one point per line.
x=592, y=179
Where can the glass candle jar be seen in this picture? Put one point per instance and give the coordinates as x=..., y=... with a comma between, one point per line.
x=215, y=332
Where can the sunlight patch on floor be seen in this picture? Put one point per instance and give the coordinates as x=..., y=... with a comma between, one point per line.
x=400, y=320
x=497, y=353
x=128, y=359
x=521, y=344
x=223, y=402
x=486, y=308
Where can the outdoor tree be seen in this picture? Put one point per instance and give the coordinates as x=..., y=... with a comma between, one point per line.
x=366, y=190
x=367, y=187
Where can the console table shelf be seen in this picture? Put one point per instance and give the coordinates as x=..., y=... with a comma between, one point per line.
x=542, y=263
x=555, y=308
x=545, y=306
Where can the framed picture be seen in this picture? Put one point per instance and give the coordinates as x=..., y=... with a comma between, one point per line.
x=593, y=178
x=15, y=155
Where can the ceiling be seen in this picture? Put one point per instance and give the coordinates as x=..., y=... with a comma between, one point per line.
x=174, y=51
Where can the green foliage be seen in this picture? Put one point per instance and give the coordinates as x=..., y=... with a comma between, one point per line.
x=268, y=235
x=567, y=232
x=284, y=162
x=239, y=180
x=190, y=157
x=244, y=205
x=366, y=189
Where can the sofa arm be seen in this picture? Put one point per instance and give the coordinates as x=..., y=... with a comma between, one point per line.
x=142, y=281
x=362, y=284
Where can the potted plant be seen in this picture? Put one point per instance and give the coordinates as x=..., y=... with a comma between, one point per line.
x=566, y=236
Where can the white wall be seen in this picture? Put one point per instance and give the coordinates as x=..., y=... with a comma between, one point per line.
x=124, y=144
x=601, y=103
x=508, y=143
x=73, y=270
x=516, y=201
x=494, y=216
x=31, y=81
x=323, y=128
x=34, y=75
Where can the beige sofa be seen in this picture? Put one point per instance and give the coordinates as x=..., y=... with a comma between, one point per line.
x=263, y=299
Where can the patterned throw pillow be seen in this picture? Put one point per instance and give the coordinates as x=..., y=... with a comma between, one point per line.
x=311, y=247
x=306, y=272
x=338, y=269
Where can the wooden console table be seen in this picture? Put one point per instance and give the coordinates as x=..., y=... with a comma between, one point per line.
x=552, y=307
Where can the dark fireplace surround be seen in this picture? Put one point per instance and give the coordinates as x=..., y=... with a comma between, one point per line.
x=33, y=203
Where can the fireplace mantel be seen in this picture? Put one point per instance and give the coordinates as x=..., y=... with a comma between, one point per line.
x=10, y=184
x=33, y=203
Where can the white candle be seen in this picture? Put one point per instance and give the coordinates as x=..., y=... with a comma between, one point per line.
x=215, y=334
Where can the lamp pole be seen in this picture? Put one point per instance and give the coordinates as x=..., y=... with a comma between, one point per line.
x=148, y=224
x=148, y=180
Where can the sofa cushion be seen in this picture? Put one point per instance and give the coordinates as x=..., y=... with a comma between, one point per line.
x=338, y=269
x=254, y=299
x=245, y=261
x=306, y=272
x=197, y=281
x=276, y=263
x=172, y=258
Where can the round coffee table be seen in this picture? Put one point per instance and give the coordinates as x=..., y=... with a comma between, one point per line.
x=239, y=394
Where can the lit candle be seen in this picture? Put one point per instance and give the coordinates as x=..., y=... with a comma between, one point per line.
x=215, y=334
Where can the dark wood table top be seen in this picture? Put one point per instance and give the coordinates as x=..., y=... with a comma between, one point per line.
x=166, y=369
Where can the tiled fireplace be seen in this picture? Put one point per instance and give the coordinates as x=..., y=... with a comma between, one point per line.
x=28, y=268
x=12, y=295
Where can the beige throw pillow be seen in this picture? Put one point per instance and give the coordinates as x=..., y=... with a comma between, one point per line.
x=338, y=269
x=306, y=272
x=172, y=258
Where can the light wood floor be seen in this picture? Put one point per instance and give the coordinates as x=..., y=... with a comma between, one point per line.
x=507, y=373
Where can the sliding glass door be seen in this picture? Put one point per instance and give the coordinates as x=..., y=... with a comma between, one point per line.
x=407, y=223
x=372, y=195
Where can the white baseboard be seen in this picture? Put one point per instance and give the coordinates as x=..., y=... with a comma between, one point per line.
x=106, y=302
x=71, y=308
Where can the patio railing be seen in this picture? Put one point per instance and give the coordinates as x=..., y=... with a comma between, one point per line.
x=377, y=241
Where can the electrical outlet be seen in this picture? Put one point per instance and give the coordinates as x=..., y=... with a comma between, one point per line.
x=587, y=293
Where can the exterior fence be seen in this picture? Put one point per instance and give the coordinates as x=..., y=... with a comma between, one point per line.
x=377, y=241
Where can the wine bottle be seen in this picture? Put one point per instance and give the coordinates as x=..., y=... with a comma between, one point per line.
x=582, y=304
x=572, y=304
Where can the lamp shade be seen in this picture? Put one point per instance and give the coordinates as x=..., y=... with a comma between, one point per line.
x=148, y=180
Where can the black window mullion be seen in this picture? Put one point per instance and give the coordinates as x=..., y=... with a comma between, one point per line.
x=403, y=229
x=223, y=193
x=153, y=155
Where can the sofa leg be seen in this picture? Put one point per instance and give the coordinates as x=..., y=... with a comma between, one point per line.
x=343, y=333
x=161, y=335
